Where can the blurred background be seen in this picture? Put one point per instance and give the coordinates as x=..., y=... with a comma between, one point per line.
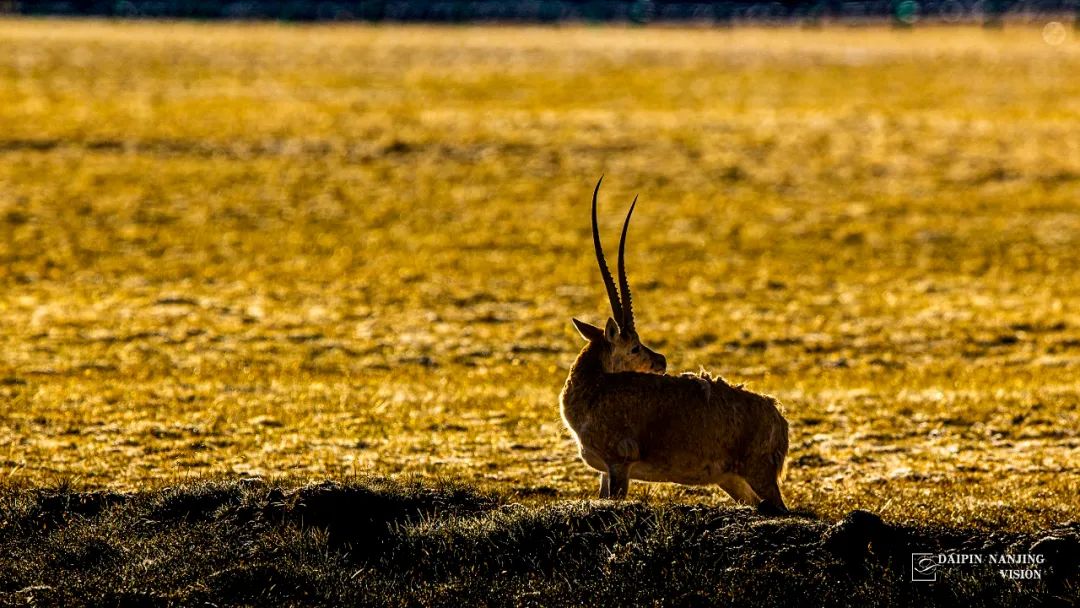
x=905, y=12
x=266, y=246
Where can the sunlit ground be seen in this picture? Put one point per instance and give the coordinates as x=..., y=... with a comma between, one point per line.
x=234, y=250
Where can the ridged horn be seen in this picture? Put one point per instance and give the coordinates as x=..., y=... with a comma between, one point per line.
x=609, y=282
x=626, y=324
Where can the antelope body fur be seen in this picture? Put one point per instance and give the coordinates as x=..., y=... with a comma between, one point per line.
x=632, y=421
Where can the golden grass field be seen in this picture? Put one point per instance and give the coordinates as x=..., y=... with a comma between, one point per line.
x=233, y=250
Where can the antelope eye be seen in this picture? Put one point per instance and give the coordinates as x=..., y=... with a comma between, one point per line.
x=635, y=350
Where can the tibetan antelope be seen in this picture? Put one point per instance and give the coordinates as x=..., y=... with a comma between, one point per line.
x=633, y=424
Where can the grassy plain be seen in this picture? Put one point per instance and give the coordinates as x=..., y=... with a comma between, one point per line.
x=236, y=250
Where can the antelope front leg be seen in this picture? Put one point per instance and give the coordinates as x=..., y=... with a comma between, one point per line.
x=605, y=485
x=620, y=480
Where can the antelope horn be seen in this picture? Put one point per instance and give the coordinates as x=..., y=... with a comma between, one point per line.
x=609, y=282
x=626, y=324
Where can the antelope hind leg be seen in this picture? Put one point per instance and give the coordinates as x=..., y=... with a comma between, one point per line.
x=769, y=490
x=620, y=480
x=739, y=489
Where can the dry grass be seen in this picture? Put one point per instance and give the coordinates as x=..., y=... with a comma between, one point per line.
x=263, y=249
x=374, y=542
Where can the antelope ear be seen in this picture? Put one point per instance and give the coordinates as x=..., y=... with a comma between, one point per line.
x=611, y=329
x=591, y=333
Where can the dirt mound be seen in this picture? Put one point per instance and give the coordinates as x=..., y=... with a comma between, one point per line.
x=384, y=542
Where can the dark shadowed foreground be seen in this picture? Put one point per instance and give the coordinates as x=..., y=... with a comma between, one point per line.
x=383, y=542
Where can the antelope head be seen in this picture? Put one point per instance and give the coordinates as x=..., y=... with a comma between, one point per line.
x=622, y=349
